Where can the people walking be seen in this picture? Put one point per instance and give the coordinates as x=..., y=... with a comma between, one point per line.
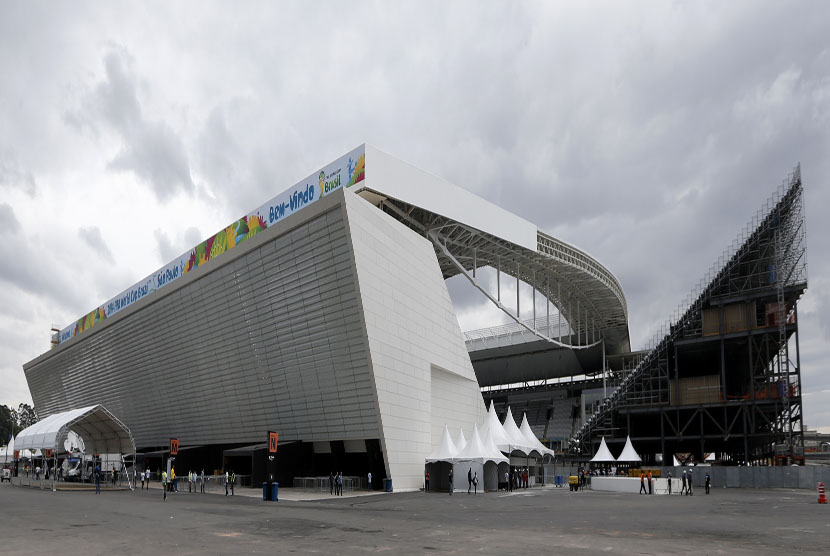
x=226, y=482
x=475, y=483
x=689, y=490
x=683, y=488
x=507, y=481
x=203, y=481
x=650, y=488
x=426, y=482
x=669, y=477
x=643, y=483
x=164, y=483
x=706, y=483
x=340, y=483
x=452, y=476
x=147, y=473
x=369, y=481
x=97, y=479
x=469, y=480
x=233, y=480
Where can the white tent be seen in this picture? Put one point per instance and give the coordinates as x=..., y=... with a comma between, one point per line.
x=445, y=451
x=7, y=452
x=518, y=441
x=603, y=454
x=628, y=454
x=531, y=438
x=493, y=426
x=101, y=431
x=460, y=441
x=492, y=449
x=476, y=451
x=476, y=459
x=674, y=461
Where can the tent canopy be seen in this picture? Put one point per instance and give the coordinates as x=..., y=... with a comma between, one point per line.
x=460, y=441
x=518, y=442
x=101, y=431
x=628, y=454
x=492, y=424
x=532, y=440
x=476, y=451
x=445, y=451
x=603, y=454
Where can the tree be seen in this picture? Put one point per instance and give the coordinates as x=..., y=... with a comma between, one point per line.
x=26, y=416
x=8, y=424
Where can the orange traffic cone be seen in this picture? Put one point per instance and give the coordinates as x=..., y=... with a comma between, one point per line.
x=822, y=499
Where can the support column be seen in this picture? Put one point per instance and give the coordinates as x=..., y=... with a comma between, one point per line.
x=518, y=314
x=498, y=279
x=722, y=370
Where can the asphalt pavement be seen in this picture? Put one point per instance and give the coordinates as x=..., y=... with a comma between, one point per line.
x=535, y=521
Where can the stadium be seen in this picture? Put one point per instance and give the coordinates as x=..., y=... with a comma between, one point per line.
x=324, y=315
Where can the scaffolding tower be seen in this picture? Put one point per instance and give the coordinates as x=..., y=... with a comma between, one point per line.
x=724, y=374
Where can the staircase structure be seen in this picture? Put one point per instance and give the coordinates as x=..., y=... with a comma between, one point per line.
x=723, y=375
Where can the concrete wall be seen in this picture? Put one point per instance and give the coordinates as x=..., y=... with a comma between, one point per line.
x=413, y=339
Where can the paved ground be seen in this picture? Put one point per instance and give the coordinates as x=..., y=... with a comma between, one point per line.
x=540, y=521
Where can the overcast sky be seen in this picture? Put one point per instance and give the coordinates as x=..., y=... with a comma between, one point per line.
x=647, y=134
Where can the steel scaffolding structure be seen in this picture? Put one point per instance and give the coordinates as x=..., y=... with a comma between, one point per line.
x=720, y=375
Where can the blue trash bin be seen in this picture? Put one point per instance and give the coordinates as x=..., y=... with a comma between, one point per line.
x=387, y=485
x=275, y=487
x=265, y=491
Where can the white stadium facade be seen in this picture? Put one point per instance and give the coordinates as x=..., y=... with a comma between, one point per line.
x=324, y=315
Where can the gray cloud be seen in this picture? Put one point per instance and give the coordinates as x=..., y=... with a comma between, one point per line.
x=8, y=221
x=647, y=134
x=93, y=238
x=151, y=150
x=169, y=250
x=13, y=176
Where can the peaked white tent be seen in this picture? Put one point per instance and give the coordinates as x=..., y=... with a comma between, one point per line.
x=518, y=441
x=533, y=442
x=475, y=450
x=445, y=451
x=628, y=454
x=477, y=459
x=674, y=461
x=493, y=426
x=603, y=454
x=460, y=441
x=492, y=449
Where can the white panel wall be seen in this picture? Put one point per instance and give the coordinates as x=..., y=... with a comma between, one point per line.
x=400, y=180
x=411, y=329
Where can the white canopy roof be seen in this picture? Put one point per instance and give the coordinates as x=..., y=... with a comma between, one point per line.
x=460, y=441
x=492, y=425
x=628, y=453
x=518, y=442
x=446, y=450
x=101, y=431
x=603, y=454
x=527, y=432
x=491, y=447
x=674, y=461
x=476, y=451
